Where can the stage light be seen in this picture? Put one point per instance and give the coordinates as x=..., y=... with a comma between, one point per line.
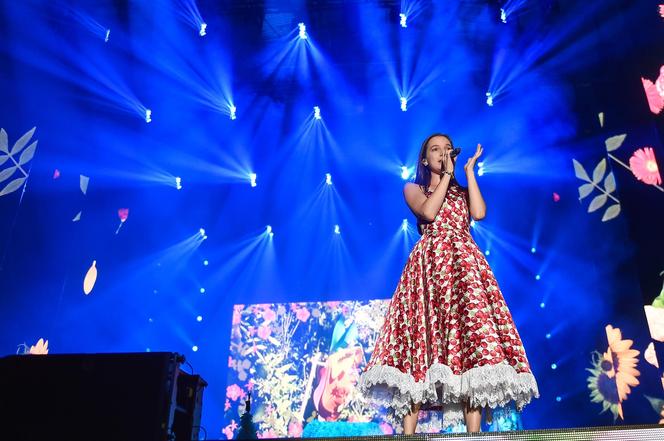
x=206, y=263
x=328, y=178
x=199, y=318
x=252, y=178
x=480, y=168
x=232, y=112
x=202, y=290
x=269, y=232
x=548, y=335
x=537, y=277
x=108, y=35
x=404, y=225
x=487, y=252
x=404, y=103
x=337, y=230
x=317, y=112
x=472, y=223
x=148, y=115
x=489, y=99
x=194, y=348
x=203, y=28
x=201, y=231
x=554, y=366
x=542, y=305
x=405, y=173
x=503, y=15
x=533, y=250
x=147, y=349
x=303, y=31
x=559, y=398
x=403, y=18
x=178, y=183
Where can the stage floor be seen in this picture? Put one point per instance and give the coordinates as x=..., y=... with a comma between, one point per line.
x=631, y=433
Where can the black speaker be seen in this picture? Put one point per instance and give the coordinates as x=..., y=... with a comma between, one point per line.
x=118, y=397
x=187, y=422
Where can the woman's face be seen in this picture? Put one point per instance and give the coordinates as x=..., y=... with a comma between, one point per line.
x=437, y=147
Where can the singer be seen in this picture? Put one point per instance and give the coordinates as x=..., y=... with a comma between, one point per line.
x=448, y=339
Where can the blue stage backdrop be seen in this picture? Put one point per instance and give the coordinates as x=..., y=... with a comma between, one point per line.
x=223, y=179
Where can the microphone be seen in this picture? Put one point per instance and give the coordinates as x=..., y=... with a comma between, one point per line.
x=455, y=152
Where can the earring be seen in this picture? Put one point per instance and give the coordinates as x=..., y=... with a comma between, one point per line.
x=425, y=162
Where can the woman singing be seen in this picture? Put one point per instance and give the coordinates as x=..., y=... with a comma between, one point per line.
x=448, y=337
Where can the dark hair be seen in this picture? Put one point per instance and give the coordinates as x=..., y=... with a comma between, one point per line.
x=423, y=174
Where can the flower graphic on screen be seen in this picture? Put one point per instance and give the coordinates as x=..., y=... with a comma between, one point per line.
x=655, y=92
x=644, y=166
x=41, y=348
x=613, y=373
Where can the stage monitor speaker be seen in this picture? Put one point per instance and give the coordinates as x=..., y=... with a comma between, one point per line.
x=91, y=397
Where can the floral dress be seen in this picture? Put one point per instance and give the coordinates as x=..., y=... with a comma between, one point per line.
x=448, y=336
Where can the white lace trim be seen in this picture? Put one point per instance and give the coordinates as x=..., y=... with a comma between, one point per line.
x=490, y=385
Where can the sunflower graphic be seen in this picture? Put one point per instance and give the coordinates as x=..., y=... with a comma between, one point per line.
x=613, y=373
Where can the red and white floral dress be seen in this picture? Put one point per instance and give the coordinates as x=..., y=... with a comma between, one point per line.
x=448, y=335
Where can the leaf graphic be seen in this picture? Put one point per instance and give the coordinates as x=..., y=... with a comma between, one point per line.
x=614, y=142
x=610, y=183
x=599, y=171
x=579, y=171
x=3, y=141
x=585, y=190
x=28, y=153
x=611, y=212
x=12, y=186
x=22, y=142
x=77, y=217
x=3, y=159
x=597, y=202
x=6, y=173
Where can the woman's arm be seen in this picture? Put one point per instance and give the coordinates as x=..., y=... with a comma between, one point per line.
x=422, y=207
x=476, y=203
x=425, y=208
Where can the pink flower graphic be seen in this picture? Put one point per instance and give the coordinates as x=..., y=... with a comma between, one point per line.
x=386, y=428
x=227, y=432
x=655, y=92
x=302, y=314
x=644, y=166
x=230, y=429
x=295, y=429
x=268, y=434
x=269, y=315
x=237, y=317
x=234, y=392
x=227, y=405
x=264, y=332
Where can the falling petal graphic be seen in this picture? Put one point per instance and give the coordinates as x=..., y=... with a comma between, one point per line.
x=56, y=174
x=90, y=279
x=556, y=197
x=84, y=184
x=651, y=355
x=77, y=217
